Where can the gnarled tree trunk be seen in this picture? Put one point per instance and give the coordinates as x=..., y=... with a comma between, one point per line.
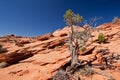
x=73, y=48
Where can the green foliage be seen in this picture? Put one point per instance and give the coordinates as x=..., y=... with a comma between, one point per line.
x=3, y=50
x=115, y=20
x=83, y=49
x=101, y=38
x=71, y=18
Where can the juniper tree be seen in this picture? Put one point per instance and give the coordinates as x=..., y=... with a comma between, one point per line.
x=71, y=20
x=76, y=39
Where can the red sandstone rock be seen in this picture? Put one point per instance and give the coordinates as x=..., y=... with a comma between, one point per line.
x=45, y=37
x=41, y=58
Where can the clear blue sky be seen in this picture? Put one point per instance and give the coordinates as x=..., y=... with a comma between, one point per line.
x=37, y=17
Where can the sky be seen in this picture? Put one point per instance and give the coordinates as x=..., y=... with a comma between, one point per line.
x=38, y=17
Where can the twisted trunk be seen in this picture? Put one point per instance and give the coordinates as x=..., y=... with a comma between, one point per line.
x=73, y=48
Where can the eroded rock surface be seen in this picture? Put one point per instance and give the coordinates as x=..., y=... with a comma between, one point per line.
x=41, y=57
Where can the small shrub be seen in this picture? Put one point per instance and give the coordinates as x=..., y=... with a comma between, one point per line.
x=83, y=49
x=0, y=45
x=15, y=41
x=61, y=75
x=86, y=71
x=101, y=38
x=20, y=45
x=3, y=64
x=115, y=20
x=3, y=50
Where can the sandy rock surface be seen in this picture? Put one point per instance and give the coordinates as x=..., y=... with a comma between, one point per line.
x=41, y=57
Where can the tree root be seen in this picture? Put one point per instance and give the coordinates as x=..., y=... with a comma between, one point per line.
x=86, y=68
